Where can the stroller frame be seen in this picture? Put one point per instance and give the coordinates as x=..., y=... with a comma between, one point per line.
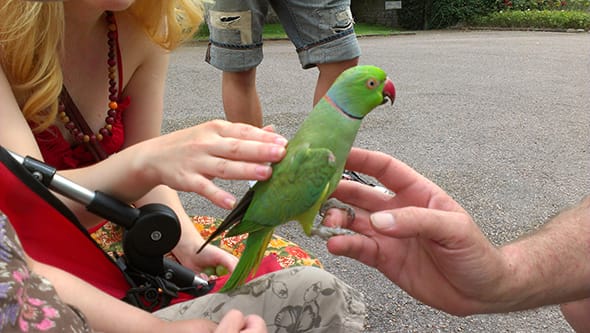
x=151, y=231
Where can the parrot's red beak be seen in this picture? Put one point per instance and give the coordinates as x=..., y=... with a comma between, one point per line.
x=388, y=91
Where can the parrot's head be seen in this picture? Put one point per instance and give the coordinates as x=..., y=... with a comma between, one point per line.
x=360, y=89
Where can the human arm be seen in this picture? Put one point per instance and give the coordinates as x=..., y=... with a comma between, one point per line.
x=192, y=158
x=97, y=306
x=427, y=244
x=122, y=317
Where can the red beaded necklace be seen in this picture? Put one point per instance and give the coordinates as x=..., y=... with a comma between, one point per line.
x=80, y=132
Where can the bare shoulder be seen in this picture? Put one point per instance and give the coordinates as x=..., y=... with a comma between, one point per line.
x=136, y=46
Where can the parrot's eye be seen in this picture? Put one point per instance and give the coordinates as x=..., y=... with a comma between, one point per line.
x=371, y=83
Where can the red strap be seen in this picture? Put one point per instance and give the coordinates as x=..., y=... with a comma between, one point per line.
x=92, y=146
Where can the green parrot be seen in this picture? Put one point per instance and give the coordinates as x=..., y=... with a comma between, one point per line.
x=312, y=167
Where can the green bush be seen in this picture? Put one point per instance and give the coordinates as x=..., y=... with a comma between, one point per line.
x=412, y=15
x=434, y=14
x=538, y=19
x=446, y=13
x=576, y=5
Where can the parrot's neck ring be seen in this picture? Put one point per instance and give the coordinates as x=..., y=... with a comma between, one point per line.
x=337, y=107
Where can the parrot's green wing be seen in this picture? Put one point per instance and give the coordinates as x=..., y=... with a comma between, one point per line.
x=299, y=184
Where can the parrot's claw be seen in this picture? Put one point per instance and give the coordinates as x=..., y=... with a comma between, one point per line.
x=335, y=203
x=326, y=232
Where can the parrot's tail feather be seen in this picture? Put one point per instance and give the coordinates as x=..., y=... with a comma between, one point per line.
x=239, y=210
x=256, y=245
x=232, y=218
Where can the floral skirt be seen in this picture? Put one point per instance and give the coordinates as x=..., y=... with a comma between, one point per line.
x=288, y=254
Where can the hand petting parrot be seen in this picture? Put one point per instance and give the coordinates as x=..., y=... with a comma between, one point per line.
x=312, y=167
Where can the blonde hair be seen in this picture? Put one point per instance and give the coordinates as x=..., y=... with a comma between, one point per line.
x=31, y=34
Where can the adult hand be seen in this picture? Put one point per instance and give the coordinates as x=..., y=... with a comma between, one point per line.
x=188, y=159
x=419, y=238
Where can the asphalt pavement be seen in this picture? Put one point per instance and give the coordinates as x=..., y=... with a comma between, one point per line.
x=499, y=119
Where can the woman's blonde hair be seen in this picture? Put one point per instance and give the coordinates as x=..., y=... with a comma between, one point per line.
x=31, y=34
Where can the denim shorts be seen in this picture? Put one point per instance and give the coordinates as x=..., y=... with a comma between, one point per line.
x=322, y=31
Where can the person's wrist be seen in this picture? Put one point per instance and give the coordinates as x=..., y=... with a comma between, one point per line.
x=190, y=238
x=186, y=248
x=493, y=291
x=141, y=167
x=509, y=290
x=149, y=323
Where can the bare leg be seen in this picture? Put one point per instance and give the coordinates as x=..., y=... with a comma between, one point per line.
x=240, y=98
x=328, y=73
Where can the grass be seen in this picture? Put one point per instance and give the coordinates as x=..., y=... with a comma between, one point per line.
x=276, y=31
x=364, y=29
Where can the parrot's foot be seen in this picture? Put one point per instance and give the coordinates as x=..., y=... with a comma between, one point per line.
x=326, y=232
x=335, y=203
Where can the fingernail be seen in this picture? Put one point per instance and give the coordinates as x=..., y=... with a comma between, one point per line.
x=281, y=141
x=277, y=151
x=382, y=221
x=230, y=202
x=262, y=171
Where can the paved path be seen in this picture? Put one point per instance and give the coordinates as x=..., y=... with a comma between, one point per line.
x=499, y=119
